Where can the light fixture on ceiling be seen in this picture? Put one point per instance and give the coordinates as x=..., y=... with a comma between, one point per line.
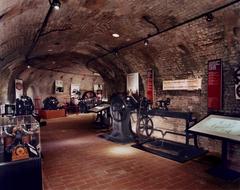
x=146, y=42
x=56, y=4
x=50, y=50
x=115, y=35
x=209, y=17
x=28, y=66
x=115, y=51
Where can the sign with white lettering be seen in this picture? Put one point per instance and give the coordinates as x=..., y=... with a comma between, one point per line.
x=215, y=84
x=185, y=84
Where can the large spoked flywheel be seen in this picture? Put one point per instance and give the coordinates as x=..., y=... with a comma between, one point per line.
x=145, y=126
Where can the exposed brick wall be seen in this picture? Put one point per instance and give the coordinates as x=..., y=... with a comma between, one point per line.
x=177, y=54
x=184, y=53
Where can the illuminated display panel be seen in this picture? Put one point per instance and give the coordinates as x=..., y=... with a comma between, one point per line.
x=220, y=126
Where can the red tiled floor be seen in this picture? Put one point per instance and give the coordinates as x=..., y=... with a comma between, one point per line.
x=76, y=159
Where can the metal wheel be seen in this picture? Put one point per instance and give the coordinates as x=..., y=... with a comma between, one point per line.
x=145, y=127
x=237, y=76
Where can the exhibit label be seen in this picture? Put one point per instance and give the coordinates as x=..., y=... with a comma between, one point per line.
x=185, y=84
x=133, y=83
x=215, y=84
x=150, y=85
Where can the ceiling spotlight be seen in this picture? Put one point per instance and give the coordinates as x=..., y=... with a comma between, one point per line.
x=146, y=42
x=56, y=4
x=28, y=66
x=209, y=17
x=115, y=35
x=115, y=51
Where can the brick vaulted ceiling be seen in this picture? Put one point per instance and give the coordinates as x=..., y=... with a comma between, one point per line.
x=75, y=32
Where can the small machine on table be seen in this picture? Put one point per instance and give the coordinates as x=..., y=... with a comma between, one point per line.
x=146, y=140
x=51, y=109
x=226, y=129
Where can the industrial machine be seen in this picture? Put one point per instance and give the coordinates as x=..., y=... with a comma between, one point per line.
x=24, y=106
x=88, y=101
x=51, y=103
x=120, y=109
x=152, y=136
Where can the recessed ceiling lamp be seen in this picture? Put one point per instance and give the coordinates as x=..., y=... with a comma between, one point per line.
x=56, y=4
x=209, y=17
x=115, y=52
x=115, y=35
x=146, y=42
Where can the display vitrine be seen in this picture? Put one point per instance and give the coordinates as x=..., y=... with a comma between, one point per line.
x=20, y=153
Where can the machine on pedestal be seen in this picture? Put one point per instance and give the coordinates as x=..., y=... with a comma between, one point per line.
x=120, y=109
x=24, y=106
x=51, y=103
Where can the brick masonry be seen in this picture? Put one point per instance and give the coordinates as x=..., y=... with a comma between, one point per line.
x=188, y=50
x=177, y=54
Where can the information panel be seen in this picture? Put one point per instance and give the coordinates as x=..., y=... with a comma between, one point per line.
x=219, y=126
x=215, y=84
x=150, y=84
x=185, y=84
x=133, y=83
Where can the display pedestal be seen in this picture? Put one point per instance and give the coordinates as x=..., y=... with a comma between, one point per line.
x=224, y=173
x=24, y=174
x=20, y=153
x=50, y=114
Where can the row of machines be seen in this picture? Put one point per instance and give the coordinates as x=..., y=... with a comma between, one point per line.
x=82, y=104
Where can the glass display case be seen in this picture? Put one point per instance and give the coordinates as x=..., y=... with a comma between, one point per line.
x=20, y=152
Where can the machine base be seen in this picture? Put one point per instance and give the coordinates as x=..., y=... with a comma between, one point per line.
x=224, y=173
x=116, y=139
x=174, y=151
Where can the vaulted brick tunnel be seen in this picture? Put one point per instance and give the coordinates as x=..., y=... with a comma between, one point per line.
x=174, y=38
x=79, y=35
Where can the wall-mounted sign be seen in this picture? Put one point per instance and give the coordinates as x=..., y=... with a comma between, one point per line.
x=18, y=88
x=75, y=90
x=98, y=89
x=215, y=84
x=185, y=84
x=133, y=83
x=2, y=109
x=150, y=84
x=59, y=86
